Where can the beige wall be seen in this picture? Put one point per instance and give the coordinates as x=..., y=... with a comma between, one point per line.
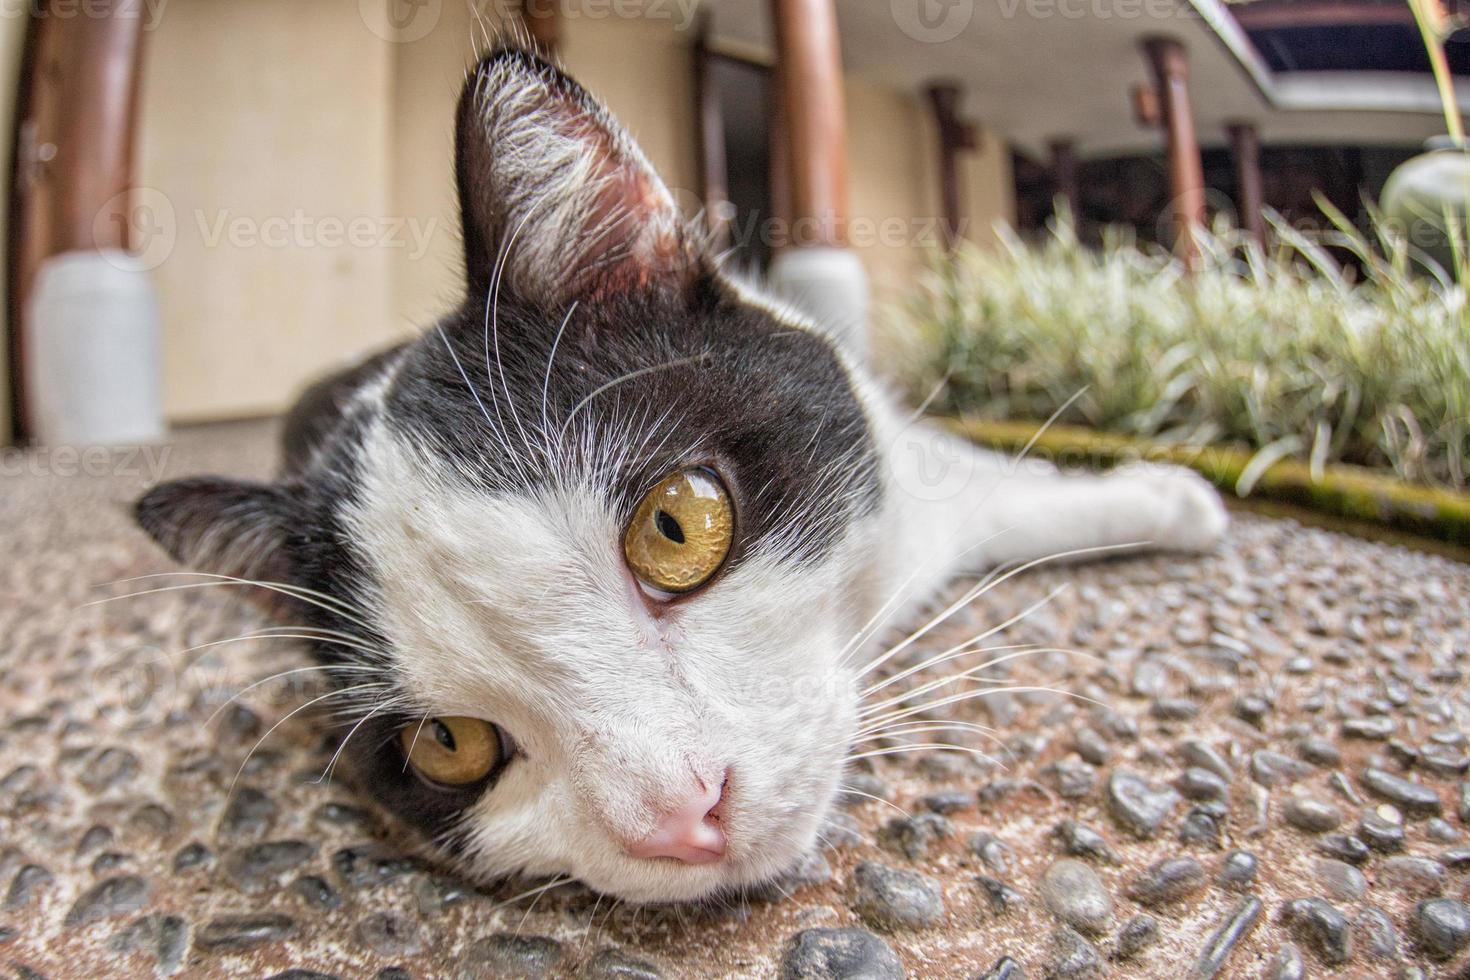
x=12, y=38
x=265, y=129
x=893, y=186
x=328, y=122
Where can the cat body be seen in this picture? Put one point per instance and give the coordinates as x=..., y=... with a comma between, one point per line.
x=600, y=556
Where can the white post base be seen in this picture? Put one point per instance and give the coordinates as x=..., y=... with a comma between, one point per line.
x=830, y=286
x=92, y=368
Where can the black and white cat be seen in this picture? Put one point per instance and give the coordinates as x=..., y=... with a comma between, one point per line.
x=596, y=552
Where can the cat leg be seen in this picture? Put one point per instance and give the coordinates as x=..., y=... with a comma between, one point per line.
x=959, y=508
x=1166, y=508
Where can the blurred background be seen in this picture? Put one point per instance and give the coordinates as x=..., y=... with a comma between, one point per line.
x=213, y=201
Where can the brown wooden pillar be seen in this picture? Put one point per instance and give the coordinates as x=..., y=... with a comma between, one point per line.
x=73, y=150
x=540, y=19
x=955, y=135
x=809, y=84
x=1064, y=174
x=1245, y=148
x=714, y=171
x=1170, y=64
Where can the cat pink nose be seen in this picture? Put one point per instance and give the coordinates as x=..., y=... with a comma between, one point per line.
x=690, y=832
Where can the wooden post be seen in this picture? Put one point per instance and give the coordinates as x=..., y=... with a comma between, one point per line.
x=1064, y=174
x=1245, y=148
x=73, y=152
x=540, y=19
x=815, y=271
x=1170, y=65
x=954, y=135
x=714, y=169
x=810, y=90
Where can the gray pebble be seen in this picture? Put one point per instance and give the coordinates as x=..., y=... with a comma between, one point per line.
x=1272, y=769
x=1074, y=893
x=1092, y=747
x=390, y=934
x=862, y=787
x=1344, y=847
x=369, y=864
x=316, y=892
x=1382, y=828
x=1443, y=762
x=231, y=933
x=1238, y=870
x=1137, y=934
x=839, y=954
x=614, y=964
x=1444, y=926
x=1072, y=780
x=1376, y=728
x=26, y=883
x=110, y=767
x=1319, y=752
x=1199, y=754
x=1198, y=783
x=1286, y=964
x=1080, y=840
x=1312, y=815
x=1318, y=924
x=912, y=836
x=840, y=830
x=1377, y=932
x=1237, y=924
x=113, y=896
x=1167, y=881
x=947, y=802
x=1340, y=880
x=192, y=855
x=249, y=813
x=995, y=852
x=163, y=937
x=998, y=895
x=1416, y=877
x=1073, y=957
x=507, y=955
x=891, y=898
x=1004, y=968
x=1174, y=709
x=260, y=867
x=1410, y=797
x=1200, y=826
x=1138, y=805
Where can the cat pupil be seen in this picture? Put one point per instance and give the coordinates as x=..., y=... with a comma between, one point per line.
x=669, y=527
x=444, y=736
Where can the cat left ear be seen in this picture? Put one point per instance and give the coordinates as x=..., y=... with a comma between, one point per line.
x=225, y=527
x=549, y=183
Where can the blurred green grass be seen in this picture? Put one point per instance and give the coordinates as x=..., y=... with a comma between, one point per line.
x=1287, y=354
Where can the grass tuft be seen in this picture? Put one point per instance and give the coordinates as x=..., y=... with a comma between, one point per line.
x=1287, y=354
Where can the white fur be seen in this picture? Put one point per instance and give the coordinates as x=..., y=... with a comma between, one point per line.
x=521, y=610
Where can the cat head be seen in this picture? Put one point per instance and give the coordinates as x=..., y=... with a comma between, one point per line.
x=593, y=548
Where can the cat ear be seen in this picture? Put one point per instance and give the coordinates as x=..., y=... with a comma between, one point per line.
x=225, y=527
x=548, y=181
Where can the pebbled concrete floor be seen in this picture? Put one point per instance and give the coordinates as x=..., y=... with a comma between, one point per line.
x=1268, y=781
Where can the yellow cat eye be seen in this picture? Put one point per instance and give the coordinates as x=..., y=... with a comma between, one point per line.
x=451, y=751
x=681, y=532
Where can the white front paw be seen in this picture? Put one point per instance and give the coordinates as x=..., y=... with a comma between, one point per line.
x=1191, y=515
